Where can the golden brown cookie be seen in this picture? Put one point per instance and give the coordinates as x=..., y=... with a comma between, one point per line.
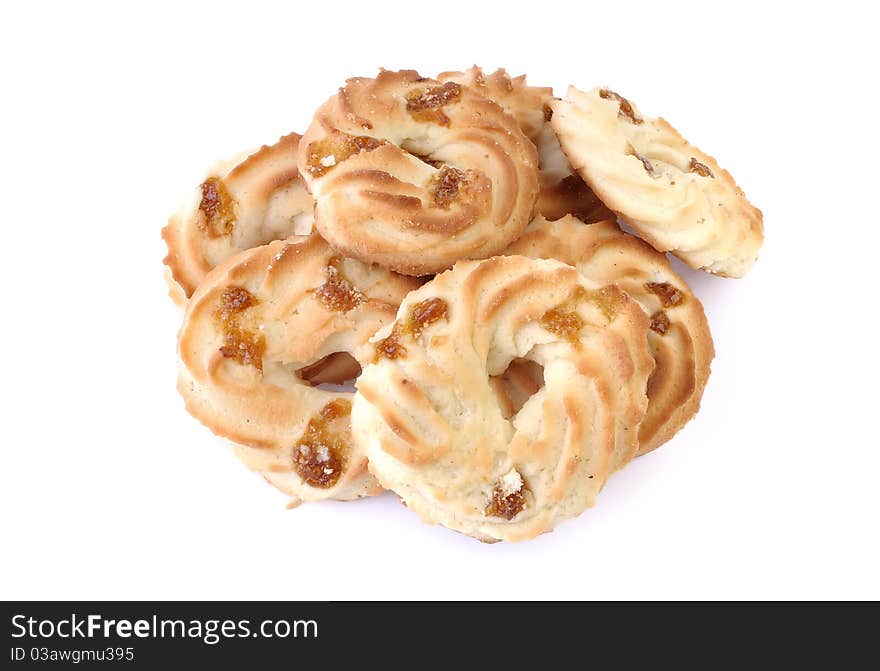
x=525, y=103
x=562, y=190
x=264, y=327
x=672, y=194
x=437, y=432
x=679, y=336
x=414, y=174
x=241, y=204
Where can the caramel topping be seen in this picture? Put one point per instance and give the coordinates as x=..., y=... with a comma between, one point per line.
x=217, y=207
x=507, y=507
x=668, y=294
x=607, y=300
x=320, y=455
x=337, y=293
x=626, y=108
x=425, y=313
x=563, y=323
x=246, y=347
x=235, y=300
x=427, y=105
x=421, y=315
x=239, y=343
x=507, y=502
x=390, y=347
x=448, y=185
x=660, y=322
x=329, y=152
x=700, y=168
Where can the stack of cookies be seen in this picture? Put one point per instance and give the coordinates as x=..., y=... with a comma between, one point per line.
x=429, y=292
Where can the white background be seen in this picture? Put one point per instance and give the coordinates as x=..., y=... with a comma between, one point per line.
x=109, y=490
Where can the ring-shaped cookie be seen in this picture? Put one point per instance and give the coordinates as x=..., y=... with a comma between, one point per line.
x=255, y=323
x=435, y=430
x=562, y=191
x=242, y=203
x=679, y=336
x=416, y=175
x=669, y=192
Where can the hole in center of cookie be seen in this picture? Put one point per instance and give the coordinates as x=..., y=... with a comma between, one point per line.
x=334, y=372
x=516, y=385
x=421, y=151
